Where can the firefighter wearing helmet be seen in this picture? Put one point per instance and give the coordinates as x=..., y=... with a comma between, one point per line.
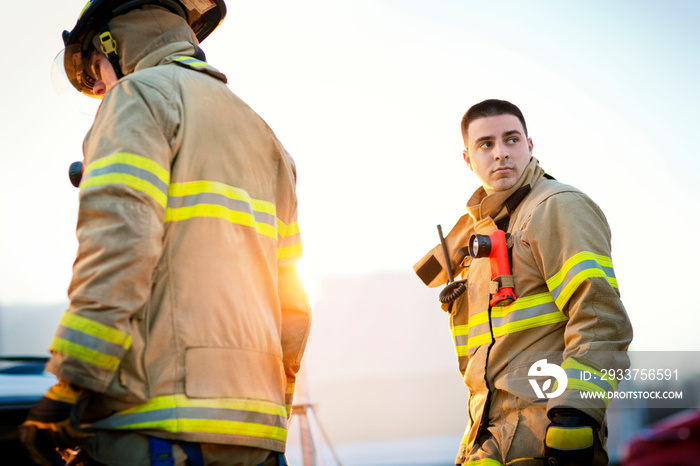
x=187, y=320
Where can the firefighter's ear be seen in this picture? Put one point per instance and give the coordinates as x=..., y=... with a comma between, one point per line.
x=465, y=154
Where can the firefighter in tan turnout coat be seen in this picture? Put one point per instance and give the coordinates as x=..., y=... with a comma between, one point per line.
x=187, y=319
x=567, y=304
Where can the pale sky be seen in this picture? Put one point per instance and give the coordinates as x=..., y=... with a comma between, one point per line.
x=367, y=96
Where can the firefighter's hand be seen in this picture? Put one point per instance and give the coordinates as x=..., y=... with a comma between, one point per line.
x=48, y=426
x=569, y=440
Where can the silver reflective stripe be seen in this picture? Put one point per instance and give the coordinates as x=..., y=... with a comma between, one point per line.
x=156, y=417
x=176, y=202
x=525, y=313
x=220, y=416
x=130, y=170
x=582, y=267
x=93, y=343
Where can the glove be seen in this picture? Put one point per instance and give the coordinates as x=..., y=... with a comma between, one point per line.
x=569, y=440
x=49, y=427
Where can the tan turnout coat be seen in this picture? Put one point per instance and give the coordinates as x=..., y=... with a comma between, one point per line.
x=187, y=319
x=567, y=307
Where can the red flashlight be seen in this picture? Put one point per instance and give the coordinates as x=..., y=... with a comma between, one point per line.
x=494, y=247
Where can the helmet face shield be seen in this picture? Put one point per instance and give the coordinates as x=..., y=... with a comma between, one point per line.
x=59, y=80
x=76, y=62
x=83, y=103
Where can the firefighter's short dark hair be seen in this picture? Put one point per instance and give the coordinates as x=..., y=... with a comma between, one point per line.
x=490, y=107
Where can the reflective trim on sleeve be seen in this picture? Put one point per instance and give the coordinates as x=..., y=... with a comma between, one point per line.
x=134, y=171
x=90, y=341
x=180, y=414
x=575, y=271
x=290, y=238
x=289, y=397
x=569, y=438
x=290, y=252
x=587, y=378
x=524, y=313
x=287, y=230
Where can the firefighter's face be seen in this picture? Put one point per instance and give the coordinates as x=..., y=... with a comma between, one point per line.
x=104, y=74
x=498, y=151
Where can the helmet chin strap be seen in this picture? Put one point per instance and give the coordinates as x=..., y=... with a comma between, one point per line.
x=109, y=48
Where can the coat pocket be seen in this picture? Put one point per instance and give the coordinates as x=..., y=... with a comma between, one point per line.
x=212, y=372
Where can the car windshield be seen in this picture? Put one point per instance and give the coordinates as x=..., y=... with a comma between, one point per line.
x=27, y=329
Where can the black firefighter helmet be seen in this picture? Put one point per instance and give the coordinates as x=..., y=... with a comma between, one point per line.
x=203, y=16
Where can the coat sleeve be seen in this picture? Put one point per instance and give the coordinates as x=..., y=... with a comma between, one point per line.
x=294, y=303
x=571, y=242
x=123, y=196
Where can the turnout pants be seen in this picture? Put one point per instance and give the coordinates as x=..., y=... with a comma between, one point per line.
x=115, y=448
x=515, y=435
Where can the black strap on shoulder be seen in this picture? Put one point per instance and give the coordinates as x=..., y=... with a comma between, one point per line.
x=512, y=203
x=517, y=197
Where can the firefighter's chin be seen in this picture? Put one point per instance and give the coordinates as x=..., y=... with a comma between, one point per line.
x=502, y=179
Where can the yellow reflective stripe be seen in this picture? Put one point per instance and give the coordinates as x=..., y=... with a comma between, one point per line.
x=84, y=8
x=575, y=271
x=190, y=61
x=290, y=252
x=287, y=230
x=144, y=175
x=525, y=313
x=211, y=426
x=96, y=329
x=182, y=401
x=215, y=187
x=479, y=340
x=224, y=213
x=127, y=180
x=459, y=331
x=83, y=353
x=178, y=413
x=478, y=319
x=571, y=363
x=521, y=304
x=134, y=160
x=532, y=322
x=214, y=199
x=483, y=462
x=569, y=438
